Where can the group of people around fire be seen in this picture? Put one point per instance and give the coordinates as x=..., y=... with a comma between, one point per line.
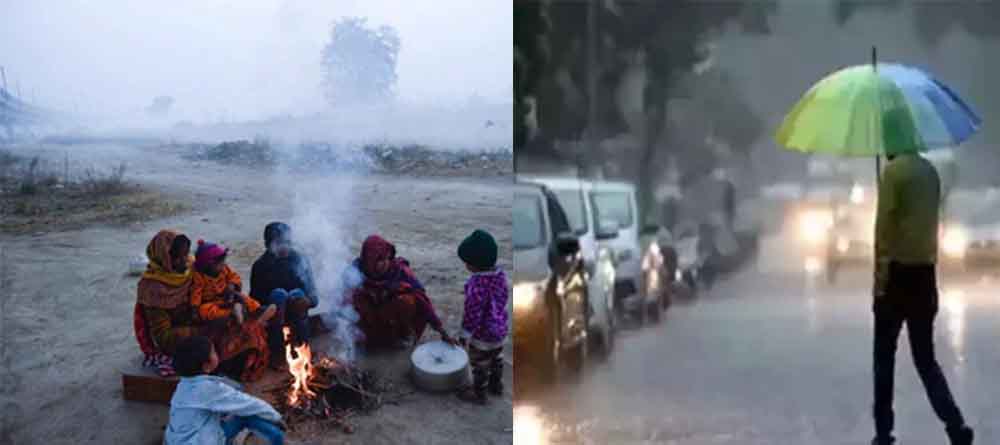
x=195, y=318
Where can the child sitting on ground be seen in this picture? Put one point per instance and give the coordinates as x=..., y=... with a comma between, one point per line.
x=241, y=342
x=484, y=324
x=206, y=409
x=216, y=293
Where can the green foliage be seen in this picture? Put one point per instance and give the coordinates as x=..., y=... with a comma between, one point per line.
x=668, y=38
x=550, y=42
x=933, y=19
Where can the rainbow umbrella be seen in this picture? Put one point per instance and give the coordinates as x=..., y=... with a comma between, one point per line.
x=877, y=109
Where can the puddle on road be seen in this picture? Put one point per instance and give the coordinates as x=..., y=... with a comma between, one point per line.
x=544, y=425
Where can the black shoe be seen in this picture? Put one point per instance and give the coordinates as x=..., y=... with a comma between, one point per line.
x=883, y=440
x=960, y=436
x=496, y=388
x=469, y=394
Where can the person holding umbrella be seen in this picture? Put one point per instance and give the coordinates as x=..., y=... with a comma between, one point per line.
x=897, y=111
x=905, y=290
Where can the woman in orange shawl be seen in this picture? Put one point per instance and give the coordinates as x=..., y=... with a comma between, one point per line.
x=393, y=307
x=163, y=314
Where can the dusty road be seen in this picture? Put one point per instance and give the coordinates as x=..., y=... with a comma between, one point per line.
x=768, y=358
x=66, y=315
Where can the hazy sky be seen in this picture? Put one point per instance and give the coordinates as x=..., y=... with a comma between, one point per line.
x=242, y=58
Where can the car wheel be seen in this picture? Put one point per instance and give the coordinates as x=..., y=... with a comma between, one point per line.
x=609, y=342
x=690, y=280
x=550, y=359
x=640, y=312
x=653, y=311
x=603, y=342
x=578, y=359
x=831, y=272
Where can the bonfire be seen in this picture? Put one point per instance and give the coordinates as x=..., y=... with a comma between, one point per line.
x=322, y=388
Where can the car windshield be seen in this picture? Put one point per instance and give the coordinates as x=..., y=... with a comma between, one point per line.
x=614, y=206
x=528, y=223
x=572, y=203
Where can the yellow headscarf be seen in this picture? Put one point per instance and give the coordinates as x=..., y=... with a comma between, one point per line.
x=160, y=285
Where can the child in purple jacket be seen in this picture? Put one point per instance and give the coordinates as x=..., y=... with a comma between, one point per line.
x=484, y=325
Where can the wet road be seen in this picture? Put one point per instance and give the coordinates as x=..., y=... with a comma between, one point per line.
x=768, y=358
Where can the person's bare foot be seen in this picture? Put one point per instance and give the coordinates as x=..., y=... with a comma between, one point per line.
x=267, y=314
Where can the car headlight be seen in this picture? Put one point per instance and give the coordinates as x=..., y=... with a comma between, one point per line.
x=814, y=225
x=954, y=240
x=857, y=194
x=526, y=296
x=843, y=244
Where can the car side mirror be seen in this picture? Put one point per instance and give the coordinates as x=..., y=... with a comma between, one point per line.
x=650, y=230
x=606, y=230
x=567, y=244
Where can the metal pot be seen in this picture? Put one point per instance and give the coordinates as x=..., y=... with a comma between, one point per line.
x=439, y=366
x=137, y=265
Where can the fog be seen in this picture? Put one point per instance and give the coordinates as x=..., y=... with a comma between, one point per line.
x=251, y=69
x=231, y=61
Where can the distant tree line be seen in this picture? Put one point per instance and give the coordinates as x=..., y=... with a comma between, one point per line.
x=656, y=45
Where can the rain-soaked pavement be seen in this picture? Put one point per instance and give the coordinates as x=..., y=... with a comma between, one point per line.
x=767, y=358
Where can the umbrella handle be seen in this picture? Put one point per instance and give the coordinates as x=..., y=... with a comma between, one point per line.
x=878, y=170
x=878, y=158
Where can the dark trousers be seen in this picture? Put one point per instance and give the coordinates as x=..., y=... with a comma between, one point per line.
x=911, y=298
x=298, y=323
x=267, y=430
x=487, y=368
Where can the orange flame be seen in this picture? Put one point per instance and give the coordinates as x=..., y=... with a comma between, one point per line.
x=300, y=367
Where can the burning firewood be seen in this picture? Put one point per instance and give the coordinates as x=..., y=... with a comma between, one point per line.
x=324, y=389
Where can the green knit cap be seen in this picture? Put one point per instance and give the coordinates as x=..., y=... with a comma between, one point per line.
x=479, y=250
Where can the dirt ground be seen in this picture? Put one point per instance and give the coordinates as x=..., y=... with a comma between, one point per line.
x=66, y=300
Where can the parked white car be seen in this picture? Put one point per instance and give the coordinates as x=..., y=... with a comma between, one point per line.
x=572, y=195
x=615, y=202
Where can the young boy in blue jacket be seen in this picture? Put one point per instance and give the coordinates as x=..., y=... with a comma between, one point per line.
x=207, y=409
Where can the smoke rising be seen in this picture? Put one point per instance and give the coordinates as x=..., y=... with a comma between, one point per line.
x=323, y=218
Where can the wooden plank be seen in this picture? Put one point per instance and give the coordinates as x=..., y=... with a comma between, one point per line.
x=145, y=388
x=142, y=384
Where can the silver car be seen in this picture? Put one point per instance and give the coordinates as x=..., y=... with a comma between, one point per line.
x=615, y=203
x=551, y=313
x=571, y=194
